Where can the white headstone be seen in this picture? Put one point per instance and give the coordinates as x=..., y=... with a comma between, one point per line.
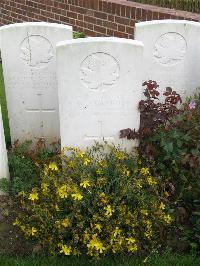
x=99, y=87
x=171, y=54
x=29, y=67
x=3, y=152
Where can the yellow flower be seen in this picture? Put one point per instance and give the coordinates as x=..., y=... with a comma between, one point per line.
x=162, y=206
x=33, y=231
x=86, y=236
x=57, y=223
x=86, y=161
x=109, y=211
x=46, y=170
x=166, y=194
x=132, y=248
x=151, y=181
x=77, y=196
x=126, y=172
x=103, y=163
x=81, y=154
x=56, y=208
x=148, y=234
x=62, y=191
x=66, y=250
x=103, y=198
x=21, y=193
x=148, y=224
x=98, y=227
x=117, y=231
x=120, y=155
x=71, y=164
x=23, y=228
x=96, y=244
x=144, y=212
x=99, y=171
x=85, y=184
x=138, y=183
x=16, y=222
x=167, y=218
x=131, y=240
x=65, y=222
x=144, y=171
x=33, y=196
x=53, y=166
x=44, y=188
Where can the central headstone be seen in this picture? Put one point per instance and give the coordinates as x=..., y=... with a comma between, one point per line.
x=99, y=81
x=29, y=67
x=171, y=54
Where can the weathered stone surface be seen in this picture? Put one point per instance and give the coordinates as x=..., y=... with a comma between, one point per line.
x=99, y=81
x=29, y=66
x=171, y=54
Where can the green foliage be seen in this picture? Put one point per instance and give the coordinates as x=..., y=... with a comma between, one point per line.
x=97, y=202
x=170, y=142
x=177, y=156
x=25, y=164
x=77, y=35
x=23, y=171
x=4, y=185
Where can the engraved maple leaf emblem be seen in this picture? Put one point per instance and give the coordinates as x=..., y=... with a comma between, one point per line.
x=170, y=48
x=36, y=51
x=99, y=69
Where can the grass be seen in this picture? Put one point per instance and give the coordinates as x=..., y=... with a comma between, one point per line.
x=4, y=107
x=165, y=260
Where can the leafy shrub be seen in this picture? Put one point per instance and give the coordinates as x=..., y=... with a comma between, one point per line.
x=77, y=35
x=96, y=202
x=170, y=142
x=153, y=114
x=177, y=156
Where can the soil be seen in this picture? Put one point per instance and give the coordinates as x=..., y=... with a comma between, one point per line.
x=11, y=242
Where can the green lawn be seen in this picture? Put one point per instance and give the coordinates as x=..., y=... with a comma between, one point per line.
x=164, y=260
x=4, y=107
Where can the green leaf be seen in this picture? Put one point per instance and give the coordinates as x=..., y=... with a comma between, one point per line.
x=168, y=147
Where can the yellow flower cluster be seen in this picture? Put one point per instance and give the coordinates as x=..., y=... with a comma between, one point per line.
x=100, y=202
x=77, y=196
x=51, y=167
x=62, y=191
x=63, y=223
x=95, y=245
x=85, y=183
x=66, y=250
x=108, y=211
x=33, y=195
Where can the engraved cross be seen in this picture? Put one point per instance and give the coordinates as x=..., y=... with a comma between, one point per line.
x=41, y=111
x=100, y=135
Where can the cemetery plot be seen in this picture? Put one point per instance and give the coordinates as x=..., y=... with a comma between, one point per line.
x=99, y=81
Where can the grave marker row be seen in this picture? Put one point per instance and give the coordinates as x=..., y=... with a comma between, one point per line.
x=99, y=79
